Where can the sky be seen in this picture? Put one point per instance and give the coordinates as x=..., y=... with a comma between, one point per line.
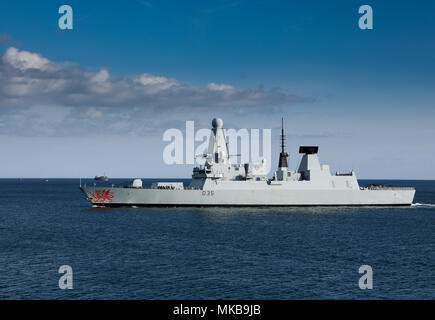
x=98, y=98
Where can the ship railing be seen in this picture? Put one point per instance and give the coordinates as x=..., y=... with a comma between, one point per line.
x=143, y=187
x=386, y=188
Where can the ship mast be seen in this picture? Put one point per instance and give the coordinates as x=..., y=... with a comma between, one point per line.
x=283, y=155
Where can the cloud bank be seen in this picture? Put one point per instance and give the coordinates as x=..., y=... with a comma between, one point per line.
x=40, y=96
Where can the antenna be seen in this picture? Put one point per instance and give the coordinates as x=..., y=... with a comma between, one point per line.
x=228, y=151
x=283, y=155
x=282, y=135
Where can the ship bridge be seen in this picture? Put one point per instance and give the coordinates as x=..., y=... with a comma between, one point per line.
x=218, y=165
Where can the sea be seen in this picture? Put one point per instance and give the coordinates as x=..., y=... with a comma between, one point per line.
x=211, y=253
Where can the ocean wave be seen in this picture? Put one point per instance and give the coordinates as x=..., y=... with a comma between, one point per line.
x=423, y=205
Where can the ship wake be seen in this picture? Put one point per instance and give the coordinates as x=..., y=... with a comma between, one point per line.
x=423, y=205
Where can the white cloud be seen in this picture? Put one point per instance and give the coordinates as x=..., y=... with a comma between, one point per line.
x=28, y=79
x=219, y=87
x=100, y=76
x=154, y=84
x=94, y=113
x=24, y=60
x=99, y=81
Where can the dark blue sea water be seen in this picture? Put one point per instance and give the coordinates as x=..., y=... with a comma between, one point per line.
x=210, y=253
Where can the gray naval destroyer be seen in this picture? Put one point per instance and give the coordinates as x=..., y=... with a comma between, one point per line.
x=220, y=183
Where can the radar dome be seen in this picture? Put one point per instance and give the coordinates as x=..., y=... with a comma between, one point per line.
x=217, y=123
x=137, y=183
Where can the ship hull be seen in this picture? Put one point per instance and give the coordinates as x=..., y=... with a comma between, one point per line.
x=115, y=197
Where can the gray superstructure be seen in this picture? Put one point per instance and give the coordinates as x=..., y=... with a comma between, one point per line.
x=220, y=183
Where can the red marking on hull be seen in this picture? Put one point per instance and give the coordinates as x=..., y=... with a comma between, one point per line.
x=102, y=196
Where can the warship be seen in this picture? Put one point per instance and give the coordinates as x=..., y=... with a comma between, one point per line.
x=220, y=183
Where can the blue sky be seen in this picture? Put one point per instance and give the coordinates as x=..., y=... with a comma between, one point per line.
x=85, y=98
